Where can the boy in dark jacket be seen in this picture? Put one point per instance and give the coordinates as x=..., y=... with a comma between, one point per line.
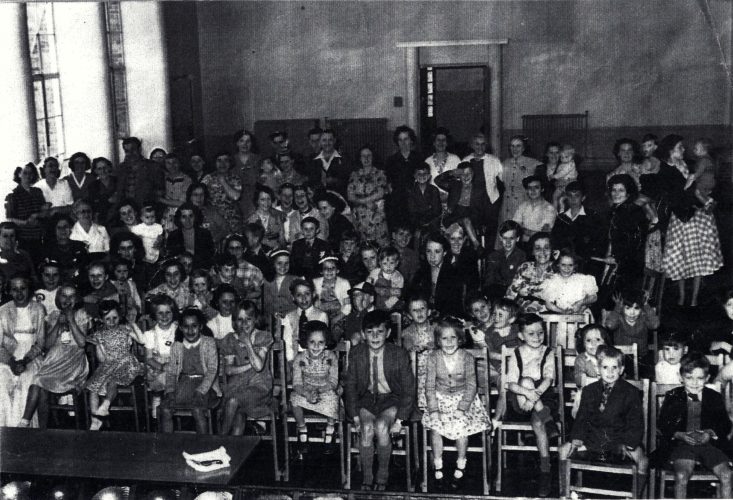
x=610, y=421
x=694, y=427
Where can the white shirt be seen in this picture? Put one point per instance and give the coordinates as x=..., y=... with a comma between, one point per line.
x=96, y=240
x=160, y=341
x=49, y=299
x=58, y=196
x=493, y=170
x=569, y=213
x=220, y=326
x=327, y=163
x=451, y=162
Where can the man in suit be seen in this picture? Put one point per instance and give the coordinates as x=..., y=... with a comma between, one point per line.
x=610, y=420
x=308, y=250
x=379, y=394
x=329, y=169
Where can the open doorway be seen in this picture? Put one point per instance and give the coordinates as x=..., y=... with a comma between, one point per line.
x=457, y=98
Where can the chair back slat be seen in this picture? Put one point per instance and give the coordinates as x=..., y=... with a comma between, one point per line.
x=561, y=328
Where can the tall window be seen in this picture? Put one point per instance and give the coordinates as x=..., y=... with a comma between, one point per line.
x=117, y=77
x=45, y=76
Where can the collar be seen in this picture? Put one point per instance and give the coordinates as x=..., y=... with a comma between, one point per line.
x=335, y=154
x=580, y=212
x=191, y=345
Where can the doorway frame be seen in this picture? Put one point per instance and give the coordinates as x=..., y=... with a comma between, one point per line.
x=493, y=61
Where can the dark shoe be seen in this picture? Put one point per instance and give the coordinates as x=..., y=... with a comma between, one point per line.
x=329, y=448
x=545, y=486
x=380, y=486
x=552, y=431
x=456, y=483
x=366, y=487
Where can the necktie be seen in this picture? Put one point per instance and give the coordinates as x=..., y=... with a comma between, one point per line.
x=693, y=397
x=375, y=376
x=604, y=398
x=302, y=322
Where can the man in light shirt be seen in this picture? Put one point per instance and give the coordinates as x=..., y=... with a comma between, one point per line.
x=493, y=175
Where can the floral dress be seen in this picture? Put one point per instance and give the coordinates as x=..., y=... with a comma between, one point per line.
x=515, y=170
x=369, y=218
x=227, y=207
x=422, y=340
x=120, y=366
x=526, y=288
x=319, y=374
x=450, y=423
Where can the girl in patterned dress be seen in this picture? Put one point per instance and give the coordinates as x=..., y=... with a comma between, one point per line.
x=454, y=408
x=315, y=379
x=332, y=294
x=419, y=338
x=117, y=365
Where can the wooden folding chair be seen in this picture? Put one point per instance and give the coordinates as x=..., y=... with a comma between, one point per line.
x=609, y=468
x=631, y=351
x=482, y=386
x=561, y=328
x=342, y=351
x=653, y=288
x=520, y=428
x=396, y=319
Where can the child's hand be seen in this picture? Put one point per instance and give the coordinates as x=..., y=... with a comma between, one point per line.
x=686, y=438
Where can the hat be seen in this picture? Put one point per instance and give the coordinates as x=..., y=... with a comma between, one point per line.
x=326, y=257
x=277, y=253
x=364, y=287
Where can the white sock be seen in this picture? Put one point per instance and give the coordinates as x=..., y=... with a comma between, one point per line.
x=438, y=463
x=154, y=406
x=24, y=423
x=103, y=409
x=96, y=424
x=460, y=465
x=303, y=434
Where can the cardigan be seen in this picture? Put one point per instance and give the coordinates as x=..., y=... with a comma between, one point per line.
x=341, y=290
x=397, y=372
x=209, y=359
x=440, y=380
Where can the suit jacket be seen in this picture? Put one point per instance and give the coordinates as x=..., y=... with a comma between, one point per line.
x=622, y=422
x=203, y=247
x=673, y=418
x=480, y=202
x=278, y=299
x=336, y=178
x=304, y=260
x=449, y=289
x=397, y=372
x=582, y=235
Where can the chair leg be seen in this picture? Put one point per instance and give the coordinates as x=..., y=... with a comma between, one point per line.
x=286, y=446
x=662, y=482
x=347, y=482
x=500, y=457
x=273, y=435
x=425, y=466
x=568, y=474
x=342, y=457
x=408, y=464
x=486, y=459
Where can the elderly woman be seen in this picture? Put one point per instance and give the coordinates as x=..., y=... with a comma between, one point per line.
x=692, y=249
x=271, y=219
x=21, y=346
x=569, y=292
x=102, y=190
x=58, y=246
x=85, y=230
x=526, y=288
x=367, y=189
x=516, y=168
x=198, y=195
x=468, y=203
x=245, y=168
x=189, y=236
x=80, y=178
x=225, y=190
x=25, y=206
x=626, y=233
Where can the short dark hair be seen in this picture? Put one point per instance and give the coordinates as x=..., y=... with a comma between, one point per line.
x=574, y=186
x=132, y=140
x=510, y=225
x=531, y=178
x=694, y=360
x=376, y=318
x=300, y=282
x=632, y=296
x=259, y=188
x=404, y=129
x=198, y=218
x=315, y=326
x=632, y=190
x=507, y=305
x=608, y=351
x=580, y=336
x=314, y=131
x=221, y=290
x=540, y=235
x=526, y=319
x=672, y=337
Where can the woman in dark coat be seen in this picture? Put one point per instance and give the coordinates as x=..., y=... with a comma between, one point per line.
x=190, y=236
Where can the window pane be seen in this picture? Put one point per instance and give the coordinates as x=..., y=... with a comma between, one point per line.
x=430, y=100
x=41, y=135
x=56, y=136
x=430, y=75
x=116, y=52
x=430, y=111
x=53, y=97
x=38, y=99
x=48, y=53
x=430, y=88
